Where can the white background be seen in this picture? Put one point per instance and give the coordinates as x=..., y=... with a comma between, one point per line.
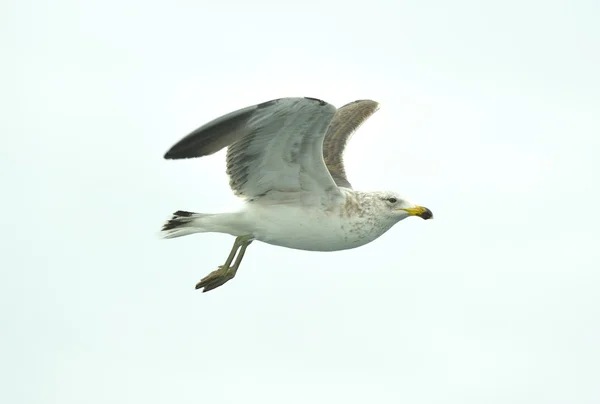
x=489, y=117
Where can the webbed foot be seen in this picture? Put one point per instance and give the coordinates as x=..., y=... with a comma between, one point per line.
x=215, y=279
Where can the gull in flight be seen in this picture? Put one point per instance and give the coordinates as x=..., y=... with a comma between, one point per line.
x=284, y=158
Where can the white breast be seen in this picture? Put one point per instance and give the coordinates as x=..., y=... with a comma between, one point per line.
x=314, y=230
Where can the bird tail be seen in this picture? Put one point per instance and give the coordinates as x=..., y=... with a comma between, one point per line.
x=183, y=223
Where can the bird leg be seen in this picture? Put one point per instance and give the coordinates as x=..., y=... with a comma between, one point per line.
x=226, y=272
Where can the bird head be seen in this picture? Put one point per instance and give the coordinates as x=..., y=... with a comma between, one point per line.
x=399, y=208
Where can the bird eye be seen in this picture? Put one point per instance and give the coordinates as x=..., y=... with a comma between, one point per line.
x=392, y=200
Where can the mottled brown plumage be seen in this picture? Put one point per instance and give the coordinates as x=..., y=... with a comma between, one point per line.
x=346, y=121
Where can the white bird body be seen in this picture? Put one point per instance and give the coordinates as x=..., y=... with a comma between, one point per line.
x=291, y=226
x=284, y=158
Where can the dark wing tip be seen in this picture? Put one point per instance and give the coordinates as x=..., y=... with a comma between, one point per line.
x=176, y=153
x=223, y=131
x=213, y=136
x=170, y=155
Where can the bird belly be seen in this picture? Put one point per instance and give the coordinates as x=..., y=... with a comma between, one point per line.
x=312, y=230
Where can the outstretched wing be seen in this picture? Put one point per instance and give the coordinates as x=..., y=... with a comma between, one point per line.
x=275, y=150
x=345, y=122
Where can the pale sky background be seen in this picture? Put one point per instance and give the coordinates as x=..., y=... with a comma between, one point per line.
x=489, y=116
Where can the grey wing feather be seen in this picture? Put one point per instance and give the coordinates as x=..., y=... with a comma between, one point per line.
x=273, y=146
x=345, y=122
x=214, y=136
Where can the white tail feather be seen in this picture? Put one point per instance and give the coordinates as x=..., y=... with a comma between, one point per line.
x=183, y=223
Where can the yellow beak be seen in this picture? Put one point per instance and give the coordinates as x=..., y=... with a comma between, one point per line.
x=420, y=211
